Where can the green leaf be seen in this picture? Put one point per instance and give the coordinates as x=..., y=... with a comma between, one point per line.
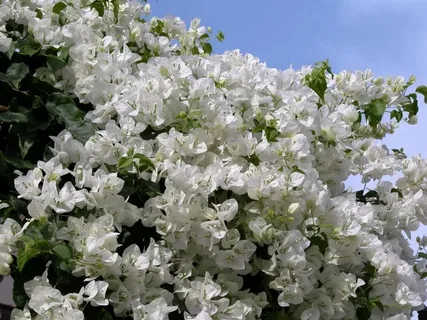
x=63, y=108
x=317, y=81
x=55, y=62
x=320, y=240
x=62, y=251
x=39, y=13
x=27, y=46
x=144, y=161
x=379, y=305
x=374, y=112
x=19, y=296
x=94, y=313
x=397, y=114
x=204, y=37
x=195, y=50
x=412, y=106
x=124, y=162
x=422, y=255
x=295, y=168
x=398, y=192
x=116, y=7
x=98, y=5
x=422, y=90
x=220, y=36
x=58, y=7
x=207, y=47
x=17, y=162
x=363, y=313
x=13, y=117
x=14, y=74
x=32, y=249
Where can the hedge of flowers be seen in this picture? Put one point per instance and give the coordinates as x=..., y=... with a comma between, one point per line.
x=147, y=178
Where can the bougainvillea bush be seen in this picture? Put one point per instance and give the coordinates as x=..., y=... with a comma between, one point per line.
x=144, y=177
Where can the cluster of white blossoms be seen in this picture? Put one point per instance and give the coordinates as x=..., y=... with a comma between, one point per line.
x=252, y=217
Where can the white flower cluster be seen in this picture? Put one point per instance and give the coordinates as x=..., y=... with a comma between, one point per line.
x=253, y=216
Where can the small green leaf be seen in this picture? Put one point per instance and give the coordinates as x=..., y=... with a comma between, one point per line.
x=58, y=7
x=13, y=117
x=39, y=13
x=17, y=162
x=195, y=50
x=422, y=90
x=14, y=74
x=116, y=7
x=317, y=81
x=363, y=313
x=220, y=36
x=207, y=48
x=63, y=108
x=422, y=255
x=62, y=251
x=144, y=161
x=204, y=37
x=297, y=169
x=412, y=106
x=98, y=5
x=124, y=162
x=397, y=114
x=32, y=249
x=55, y=62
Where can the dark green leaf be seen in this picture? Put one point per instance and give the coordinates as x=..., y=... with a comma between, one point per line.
x=398, y=192
x=144, y=160
x=116, y=8
x=32, y=249
x=58, y=7
x=204, y=37
x=397, y=114
x=363, y=313
x=63, y=108
x=195, y=50
x=62, y=251
x=13, y=117
x=98, y=5
x=39, y=13
x=422, y=90
x=412, y=106
x=55, y=62
x=207, y=47
x=14, y=74
x=220, y=36
x=18, y=162
x=297, y=169
x=124, y=162
x=19, y=296
x=379, y=305
x=320, y=240
x=27, y=46
x=422, y=255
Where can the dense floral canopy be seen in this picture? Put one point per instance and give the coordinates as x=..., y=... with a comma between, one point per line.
x=183, y=184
